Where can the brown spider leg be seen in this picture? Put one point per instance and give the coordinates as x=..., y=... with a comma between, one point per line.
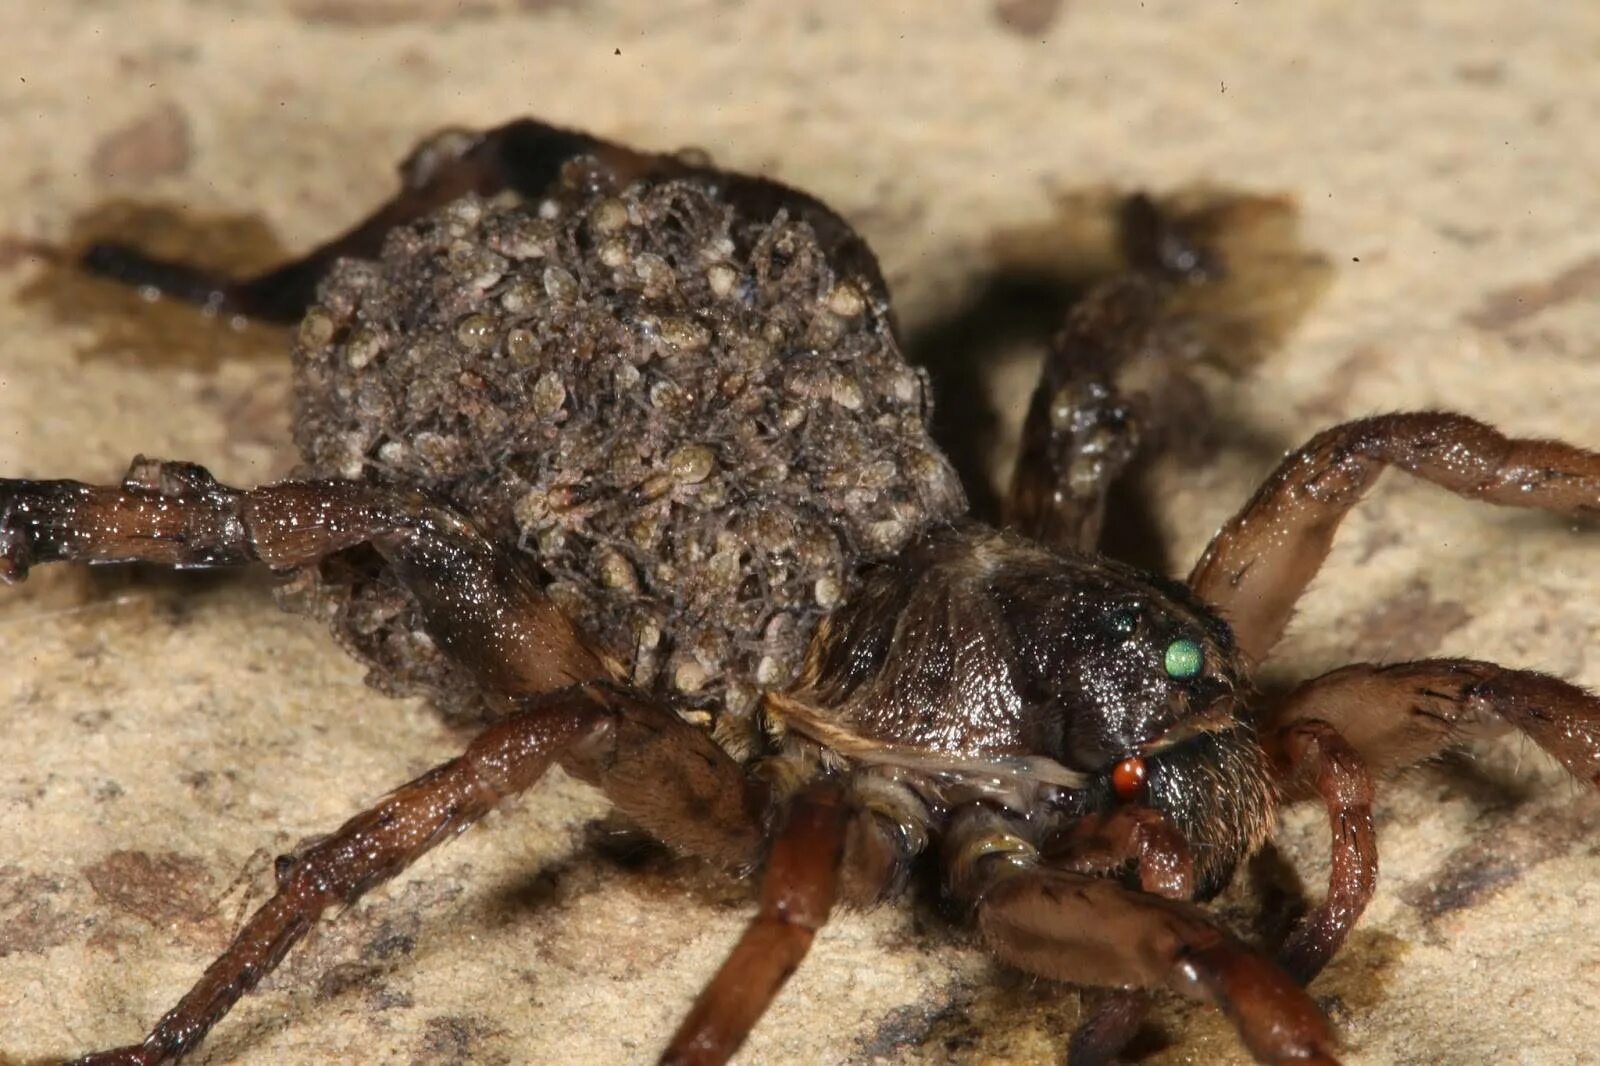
x=1399, y=714
x=525, y=157
x=1257, y=566
x=1333, y=728
x=797, y=893
x=1080, y=432
x=1082, y=429
x=379, y=843
x=477, y=603
x=1314, y=753
x=1069, y=926
x=1105, y=843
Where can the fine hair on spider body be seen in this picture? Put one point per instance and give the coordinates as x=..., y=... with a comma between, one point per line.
x=619, y=452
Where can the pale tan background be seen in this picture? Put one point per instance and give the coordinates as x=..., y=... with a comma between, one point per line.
x=159, y=740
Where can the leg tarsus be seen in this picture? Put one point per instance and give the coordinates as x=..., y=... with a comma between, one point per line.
x=1110, y=1027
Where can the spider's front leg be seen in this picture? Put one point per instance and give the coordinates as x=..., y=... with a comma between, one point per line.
x=1104, y=844
x=1332, y=729
x=1258, y=565
x=1399, y=714
x=1083, y=423
x=1048, y=917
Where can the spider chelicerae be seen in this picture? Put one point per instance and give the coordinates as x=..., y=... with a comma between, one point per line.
x=618, y=451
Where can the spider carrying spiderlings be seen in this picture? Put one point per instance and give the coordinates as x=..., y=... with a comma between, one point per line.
x=619, y=451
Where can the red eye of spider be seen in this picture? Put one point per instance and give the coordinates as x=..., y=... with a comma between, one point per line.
x=1127, y=779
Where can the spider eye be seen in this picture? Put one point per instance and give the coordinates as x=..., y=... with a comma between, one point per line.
x=1128, y=779
x=1184, y=658
x=1122, y=623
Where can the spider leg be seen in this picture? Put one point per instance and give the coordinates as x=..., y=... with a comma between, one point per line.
x=1083, y=427
x=1389, y=717
x=593, y=720
x=1081, y=432
x=525, y=157
x=798, y=890
x=1070, y=926
x=1105, y=843
x=851, y=842
x=1399, y=714
x=1315, y=753
x=1257, y=565
x=478, y=604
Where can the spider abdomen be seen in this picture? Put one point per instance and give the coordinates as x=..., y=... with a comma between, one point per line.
x=690, y=421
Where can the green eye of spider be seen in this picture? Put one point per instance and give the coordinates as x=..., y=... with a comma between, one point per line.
x=1122, y=623
x=1184, y=658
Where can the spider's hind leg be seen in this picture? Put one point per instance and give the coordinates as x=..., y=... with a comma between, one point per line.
x=479, y=605
x=523, y=156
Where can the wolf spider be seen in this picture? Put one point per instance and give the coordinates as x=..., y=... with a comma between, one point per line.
x=1075, y=742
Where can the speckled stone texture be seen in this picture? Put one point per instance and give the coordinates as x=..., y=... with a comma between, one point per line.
x=164, y=738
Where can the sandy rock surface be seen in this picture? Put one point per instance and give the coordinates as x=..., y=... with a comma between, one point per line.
x=164, y=738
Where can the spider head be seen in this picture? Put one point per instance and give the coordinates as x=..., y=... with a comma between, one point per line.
x=1118, y=665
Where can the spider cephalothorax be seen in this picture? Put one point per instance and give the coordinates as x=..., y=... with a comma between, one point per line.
x=620, y=451
x=975, y=643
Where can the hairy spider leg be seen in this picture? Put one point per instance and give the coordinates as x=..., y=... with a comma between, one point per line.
x=666, y=774
x=1105, y=844
x=1081, y=429
x=1317, y=755
x=1080, y=432
x=1258, y=565
x=478, y=604
x=525, y=157
x=1041, y=915
x=1397, y=715
x=1382, y=718
x=798, y=890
